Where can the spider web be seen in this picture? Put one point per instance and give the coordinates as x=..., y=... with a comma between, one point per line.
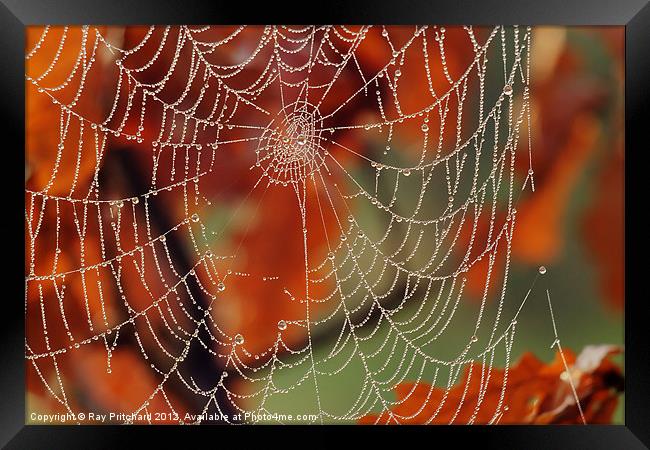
x=407, y=184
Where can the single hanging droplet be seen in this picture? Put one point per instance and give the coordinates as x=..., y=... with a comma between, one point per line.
x=239, y=339
x=407, y=172
x=507, y=89
x=195, y=217
x=542, y=270
x=302, y=140
x=474, y=338
x=425, y=127
x=282, y=325
x=221, y=287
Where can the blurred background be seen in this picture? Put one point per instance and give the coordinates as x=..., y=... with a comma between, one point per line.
x=572, y=224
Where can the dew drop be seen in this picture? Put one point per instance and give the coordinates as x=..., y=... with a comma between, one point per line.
x=239, y=339
x=282, y=325
x=507, y=89
x=542, y=270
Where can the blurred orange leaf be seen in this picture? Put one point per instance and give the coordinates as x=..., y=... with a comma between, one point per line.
x=537, y=393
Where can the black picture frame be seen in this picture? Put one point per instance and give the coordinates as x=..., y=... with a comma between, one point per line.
x=16, y=14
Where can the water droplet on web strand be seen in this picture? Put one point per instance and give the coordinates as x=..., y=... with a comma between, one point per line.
x=542, y=270
x=282, y=325
x=507, y=89
x=239, y=339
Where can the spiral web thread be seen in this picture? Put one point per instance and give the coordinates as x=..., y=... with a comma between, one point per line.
x=392, y=293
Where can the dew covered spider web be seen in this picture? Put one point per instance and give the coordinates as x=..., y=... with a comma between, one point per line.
x=396, y=156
